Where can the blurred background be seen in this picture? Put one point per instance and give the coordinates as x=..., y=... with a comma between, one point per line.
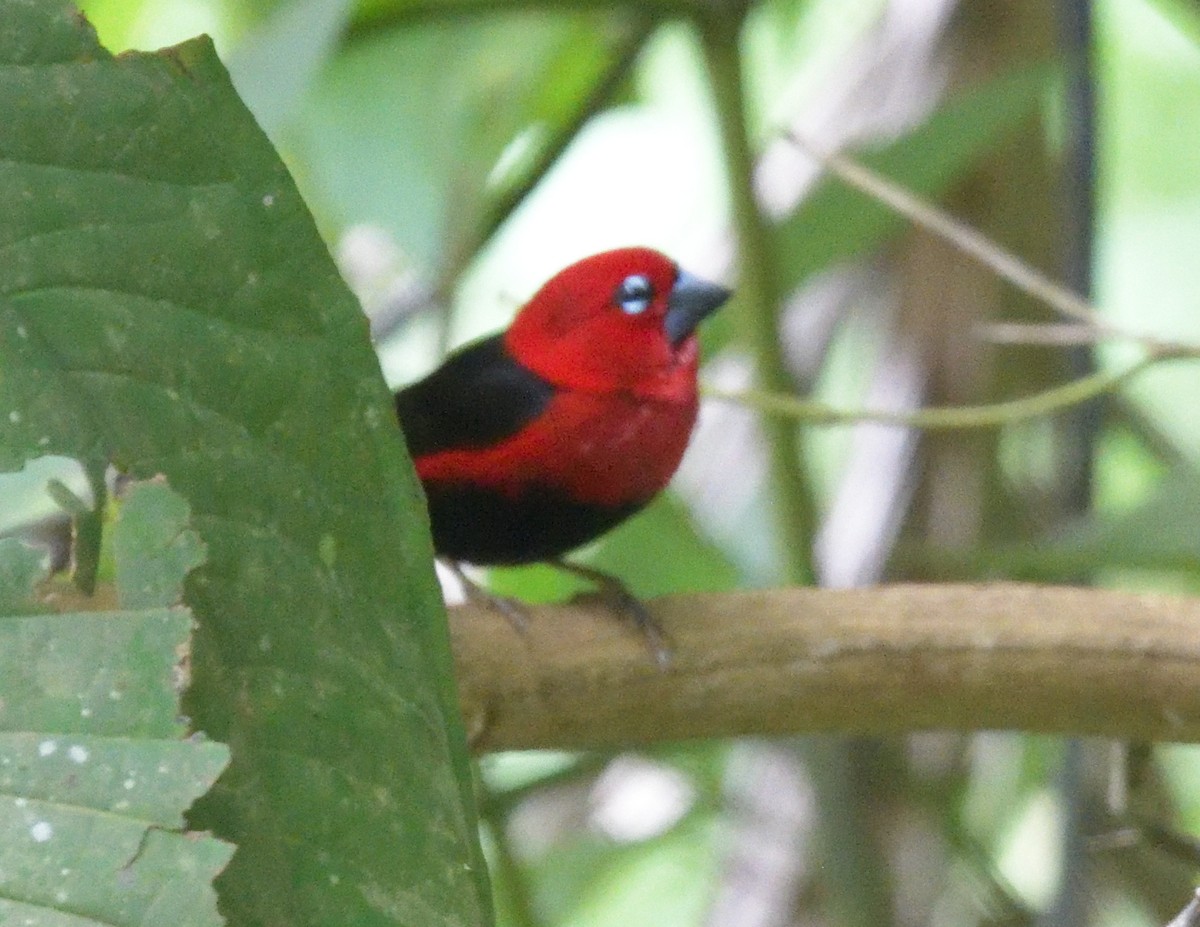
x=456, y=153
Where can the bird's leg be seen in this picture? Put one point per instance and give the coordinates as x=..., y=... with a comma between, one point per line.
x=624, y=603
x=509, y=608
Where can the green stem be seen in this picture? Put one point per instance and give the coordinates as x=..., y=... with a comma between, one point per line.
x=759, y=292
x=991, y=415
x=89, y=531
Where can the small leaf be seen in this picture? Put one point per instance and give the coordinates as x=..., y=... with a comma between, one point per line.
x=660, y=552
x=1158, y=534
x=96, y=768
x=22, y=567
x=153, y=545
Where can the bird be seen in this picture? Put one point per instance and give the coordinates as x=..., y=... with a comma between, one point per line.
x=536, y=440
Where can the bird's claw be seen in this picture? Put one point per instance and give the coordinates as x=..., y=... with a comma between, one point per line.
x=611, y=591
x=656, y=638
x=510, y=608
x=625, y=604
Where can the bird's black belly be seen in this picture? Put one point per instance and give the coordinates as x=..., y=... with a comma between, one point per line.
x=483, y=526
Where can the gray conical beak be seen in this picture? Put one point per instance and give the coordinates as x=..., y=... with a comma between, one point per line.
x=691, y=300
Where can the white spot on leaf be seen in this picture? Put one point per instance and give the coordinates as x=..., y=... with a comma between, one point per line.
x=41, y=831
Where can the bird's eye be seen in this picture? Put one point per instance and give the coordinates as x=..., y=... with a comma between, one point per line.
x=635, y=294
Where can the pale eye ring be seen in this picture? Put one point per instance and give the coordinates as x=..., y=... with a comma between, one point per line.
x=635, y=294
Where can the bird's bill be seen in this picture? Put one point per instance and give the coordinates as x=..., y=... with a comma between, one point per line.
x=691, y=301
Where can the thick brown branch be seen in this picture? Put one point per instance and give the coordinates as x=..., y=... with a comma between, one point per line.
x=890, y=659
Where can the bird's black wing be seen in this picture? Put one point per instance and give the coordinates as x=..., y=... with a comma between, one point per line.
x=479, y=396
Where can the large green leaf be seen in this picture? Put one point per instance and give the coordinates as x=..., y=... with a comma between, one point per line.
x=166, y=305
x=96, y=768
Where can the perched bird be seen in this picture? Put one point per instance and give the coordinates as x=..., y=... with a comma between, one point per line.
x=538, y=439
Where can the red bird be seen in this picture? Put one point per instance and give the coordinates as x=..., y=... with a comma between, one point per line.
x=536, y=440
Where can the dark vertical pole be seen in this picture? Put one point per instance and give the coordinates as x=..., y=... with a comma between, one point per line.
x=1079, y=428
x=1079, y=198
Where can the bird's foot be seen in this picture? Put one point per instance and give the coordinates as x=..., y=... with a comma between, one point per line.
x=511, y=609
x=624, y=604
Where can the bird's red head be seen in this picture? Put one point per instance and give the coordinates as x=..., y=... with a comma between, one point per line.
x=621, y=320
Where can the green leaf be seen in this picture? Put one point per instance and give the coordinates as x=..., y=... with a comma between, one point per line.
x=1158, y=534
x=167, y=306
x=660, y=552
x=96, y=768
x=85, y=818
x=153, y=537
x=22, y=567
x=94, y=671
